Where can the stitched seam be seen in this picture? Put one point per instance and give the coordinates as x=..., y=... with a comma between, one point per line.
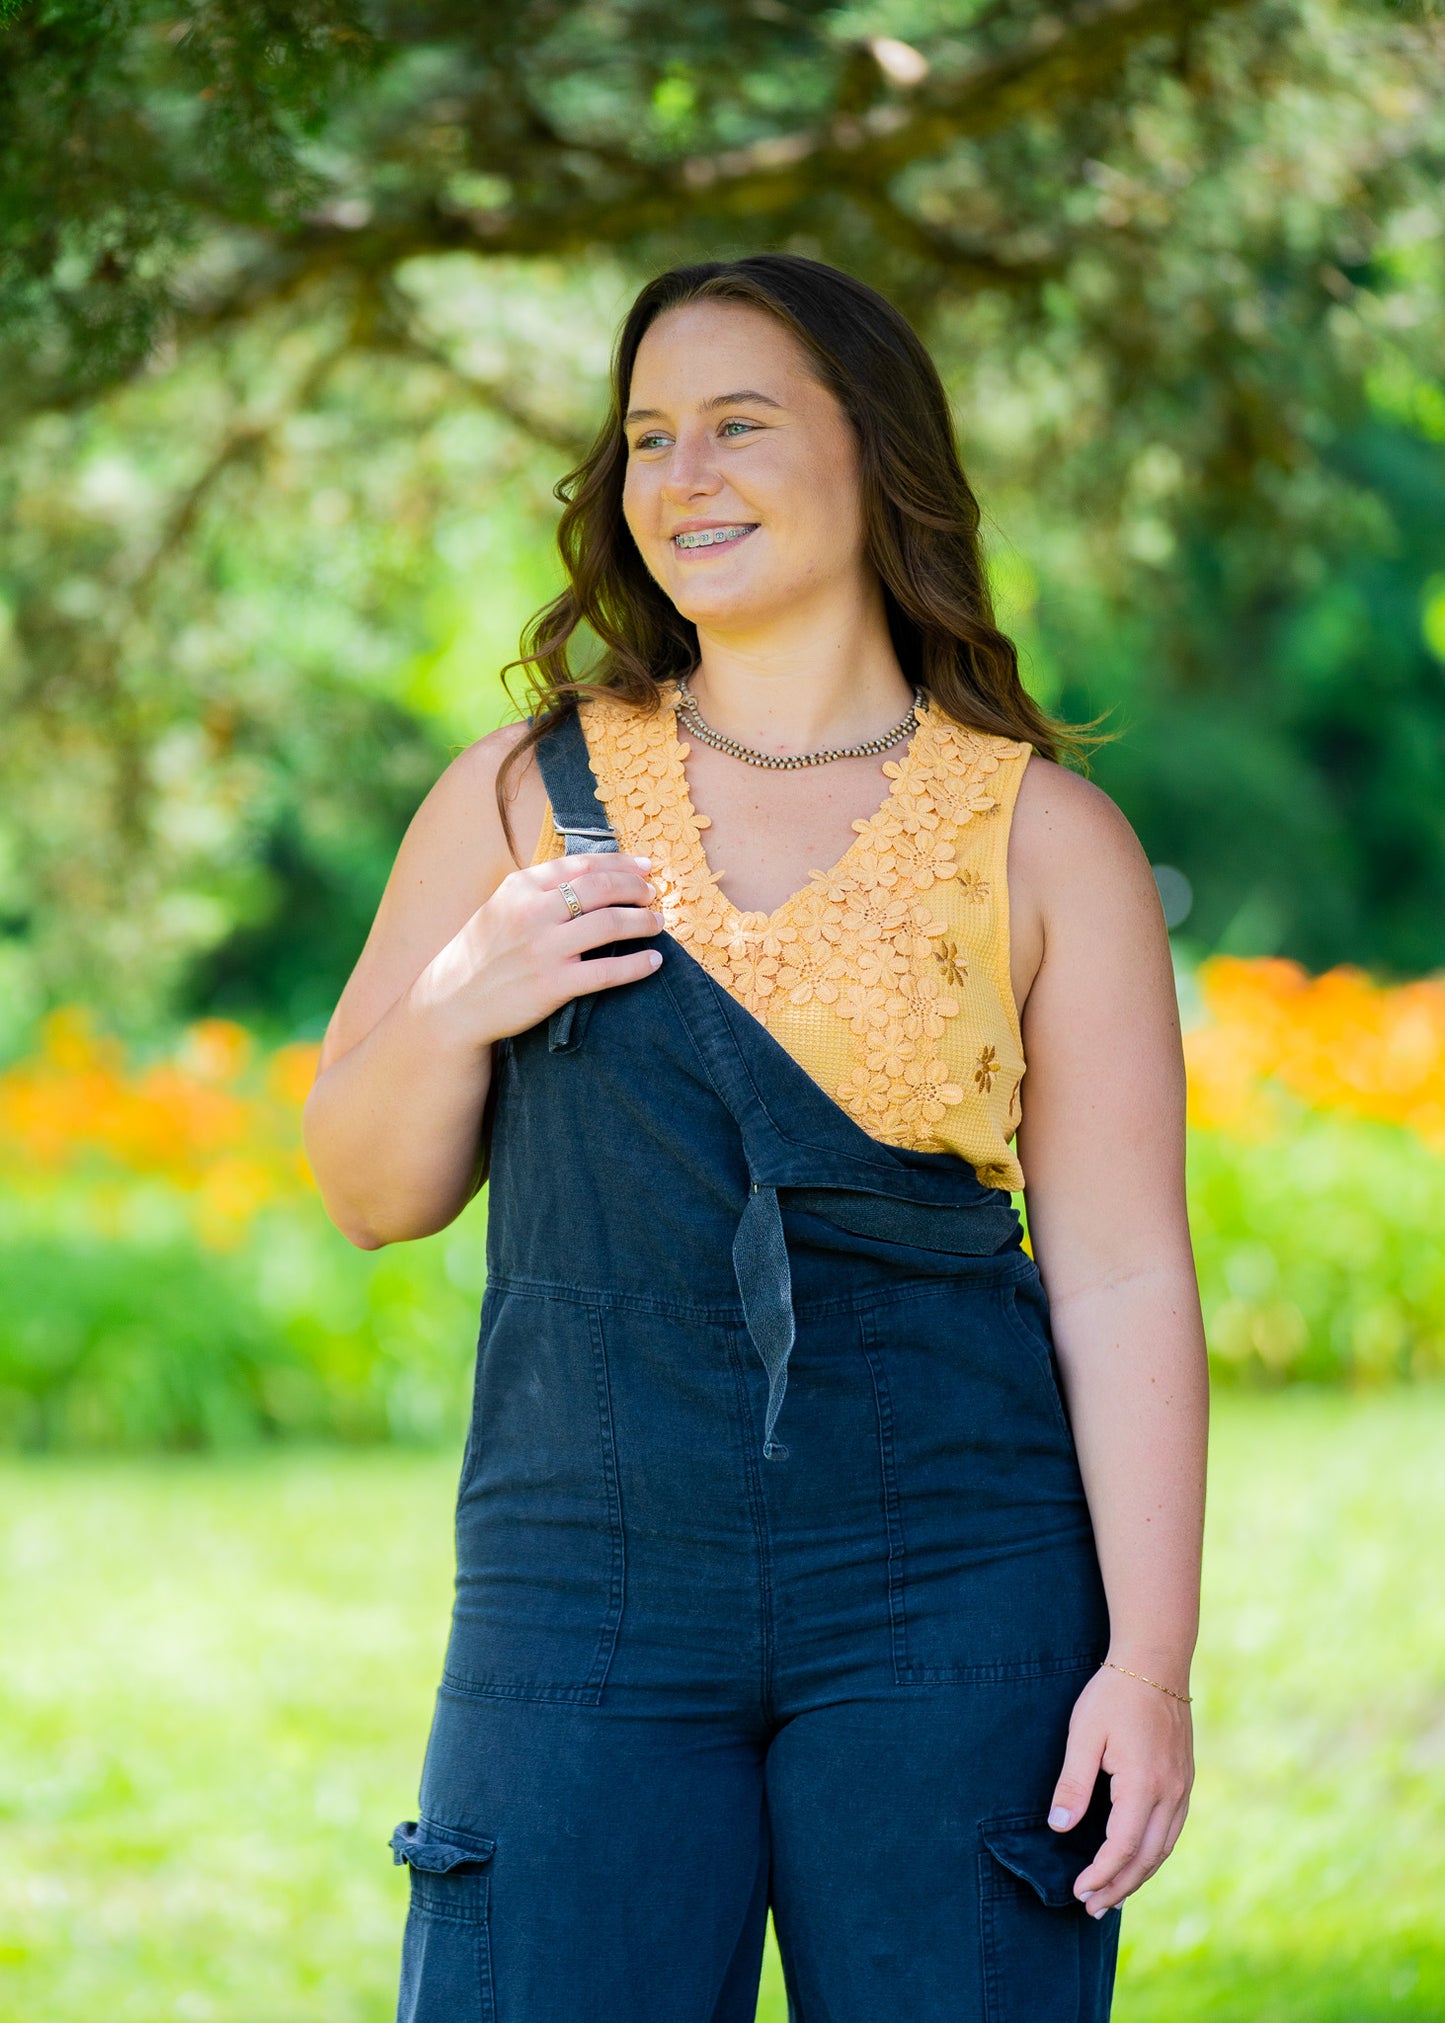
x=993, y=1994
x=1001, y=948
x=892, y=1505
x=993, y=1272
x=1038, y=1353
x=482, y=1689
x=480, y=1846
x=758, y=1507
x=612, y=1624
x=473, y=1920
x=1003, y=1673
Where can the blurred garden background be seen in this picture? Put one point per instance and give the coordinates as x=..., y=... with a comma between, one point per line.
x=303, y=311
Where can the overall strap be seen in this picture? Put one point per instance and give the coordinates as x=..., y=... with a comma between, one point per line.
x=795, y=1137
x=578, y=815
x=581, y=821
x=760, y=1253
x=801, y=1146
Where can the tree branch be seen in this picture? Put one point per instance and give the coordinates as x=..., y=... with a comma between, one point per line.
x=244, y=437
x=1062, y=54
x=405, y=341
x=1063, y=57
x=974, y=266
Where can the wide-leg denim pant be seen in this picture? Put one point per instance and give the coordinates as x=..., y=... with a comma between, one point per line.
x=775, y=1576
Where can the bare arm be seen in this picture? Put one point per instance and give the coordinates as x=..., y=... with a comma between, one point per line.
x=466, y=948
x=1102, y=1146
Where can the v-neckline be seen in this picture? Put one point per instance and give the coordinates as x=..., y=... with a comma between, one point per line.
x=748, y=920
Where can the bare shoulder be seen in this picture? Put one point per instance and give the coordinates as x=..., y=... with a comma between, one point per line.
x=452, y=858
x=459, y=823
x=1080, y=886
x=1071, y=846
x=1103, y=1131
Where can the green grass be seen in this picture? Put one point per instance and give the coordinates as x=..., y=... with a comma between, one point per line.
x=215, y=1679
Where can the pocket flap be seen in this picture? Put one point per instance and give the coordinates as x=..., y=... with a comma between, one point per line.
x=1041, y=1858
x=1048, y=1861
x=437, y=1850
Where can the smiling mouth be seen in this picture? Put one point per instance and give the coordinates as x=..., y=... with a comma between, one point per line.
x=710, y=537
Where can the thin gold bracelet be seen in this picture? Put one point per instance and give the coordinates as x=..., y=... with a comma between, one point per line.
x=1185, y=1697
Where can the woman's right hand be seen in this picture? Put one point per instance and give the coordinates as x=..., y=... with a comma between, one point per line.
x=520, y=956
x=393, y=1126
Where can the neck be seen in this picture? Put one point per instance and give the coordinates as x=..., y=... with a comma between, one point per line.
x=808, y=679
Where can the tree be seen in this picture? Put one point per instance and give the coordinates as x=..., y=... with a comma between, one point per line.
x=1181, y=263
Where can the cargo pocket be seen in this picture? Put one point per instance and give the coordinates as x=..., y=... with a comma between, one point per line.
x=446, y=1955
x=1045, y=1960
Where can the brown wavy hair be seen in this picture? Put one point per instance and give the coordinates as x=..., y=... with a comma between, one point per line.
x=919, y=512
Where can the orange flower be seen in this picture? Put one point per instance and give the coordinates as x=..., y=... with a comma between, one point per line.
x=291, y=1070
x=206, y=1120
x=1333, y=1042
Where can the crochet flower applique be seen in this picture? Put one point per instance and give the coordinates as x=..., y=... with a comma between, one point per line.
x=859, y=938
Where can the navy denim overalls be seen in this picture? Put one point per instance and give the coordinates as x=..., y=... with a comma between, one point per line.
x=775, y=1577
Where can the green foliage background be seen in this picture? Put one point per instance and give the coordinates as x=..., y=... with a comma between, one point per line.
x=1317, y=1249
x=218, y=1713
x=303, y=309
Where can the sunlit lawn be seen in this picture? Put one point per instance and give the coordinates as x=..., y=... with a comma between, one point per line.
x=215, y=1680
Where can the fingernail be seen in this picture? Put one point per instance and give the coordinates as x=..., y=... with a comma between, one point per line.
x=643, y=863
x=654, y=958
x=1060, y=1816
x=1097, y=1910
x=659, y=919
x=651, y=888
x=1083, y=1895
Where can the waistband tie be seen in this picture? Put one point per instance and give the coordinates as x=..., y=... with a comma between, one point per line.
x=760, y=1259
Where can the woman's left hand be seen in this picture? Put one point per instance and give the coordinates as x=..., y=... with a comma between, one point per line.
x=1143, y=1740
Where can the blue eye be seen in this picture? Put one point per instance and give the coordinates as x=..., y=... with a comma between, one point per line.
x=658, y=438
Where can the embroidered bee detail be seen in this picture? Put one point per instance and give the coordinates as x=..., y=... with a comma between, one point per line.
x=985, y=1069
x=951, y=960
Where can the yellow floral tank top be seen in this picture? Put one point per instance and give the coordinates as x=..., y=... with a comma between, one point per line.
x=887, y=977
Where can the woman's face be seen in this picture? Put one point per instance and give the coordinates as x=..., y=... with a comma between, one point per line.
x=742, y=486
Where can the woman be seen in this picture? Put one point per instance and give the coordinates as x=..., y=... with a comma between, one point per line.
x=802, y=1561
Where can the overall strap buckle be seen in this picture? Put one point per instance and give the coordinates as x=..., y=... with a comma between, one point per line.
x=581, y=821
x=566, y=768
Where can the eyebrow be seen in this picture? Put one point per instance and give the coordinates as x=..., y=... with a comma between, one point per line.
x=748, y=397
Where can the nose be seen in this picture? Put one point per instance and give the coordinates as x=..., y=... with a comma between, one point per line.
x=692, y=471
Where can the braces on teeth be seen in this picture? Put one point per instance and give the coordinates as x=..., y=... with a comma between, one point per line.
x=708, y=537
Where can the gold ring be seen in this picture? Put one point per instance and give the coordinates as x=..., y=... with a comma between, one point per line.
x=574, y=904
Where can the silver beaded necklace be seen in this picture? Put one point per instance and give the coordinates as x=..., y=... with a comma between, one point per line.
x=687, y=709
